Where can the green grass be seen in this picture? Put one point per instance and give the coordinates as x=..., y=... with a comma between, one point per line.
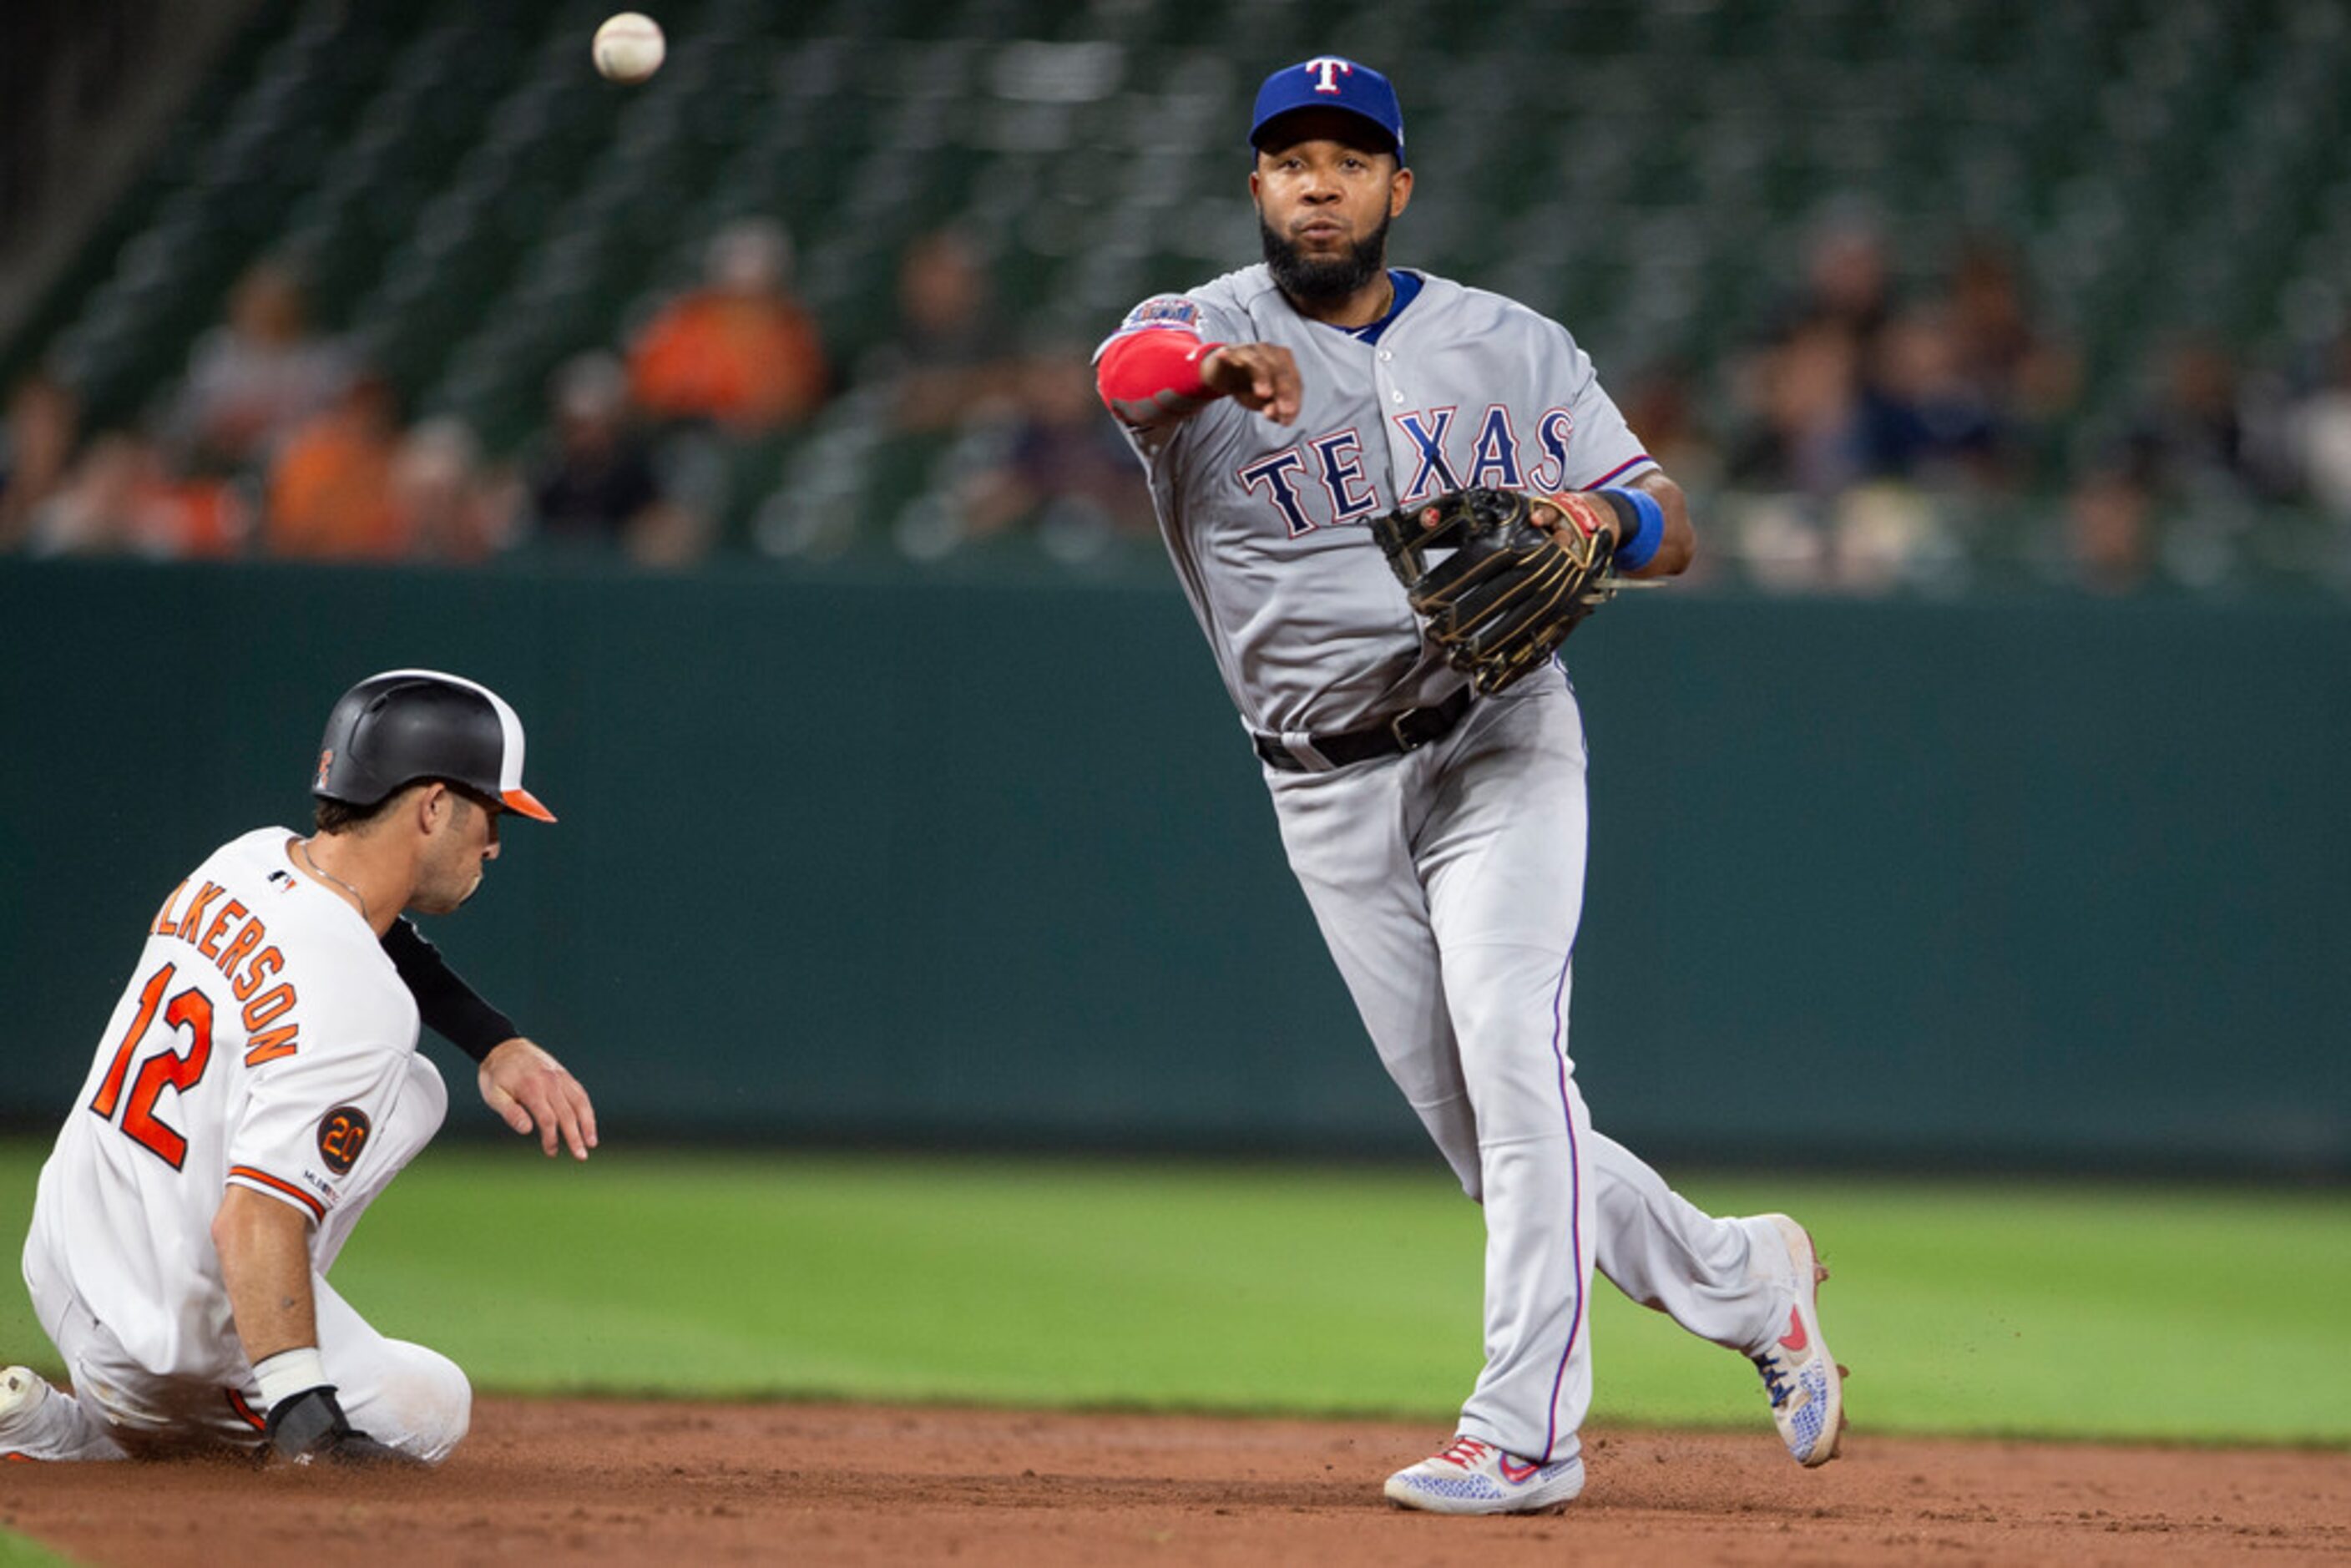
x=1966, y=1307
x=17, y=1552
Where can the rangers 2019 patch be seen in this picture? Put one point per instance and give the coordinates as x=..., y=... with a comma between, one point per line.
x=341, y=1135
x=1162, y=310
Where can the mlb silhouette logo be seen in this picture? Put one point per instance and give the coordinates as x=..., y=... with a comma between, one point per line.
x=326, y=761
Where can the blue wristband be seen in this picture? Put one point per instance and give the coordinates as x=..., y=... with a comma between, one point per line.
x=1639, y=551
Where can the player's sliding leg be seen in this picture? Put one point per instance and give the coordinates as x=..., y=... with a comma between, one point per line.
x=39, y=1422
x=403, y=1395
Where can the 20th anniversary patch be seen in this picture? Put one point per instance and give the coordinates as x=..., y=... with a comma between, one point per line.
x=343, y=1133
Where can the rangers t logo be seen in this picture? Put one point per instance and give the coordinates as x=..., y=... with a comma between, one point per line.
x=1326, y=71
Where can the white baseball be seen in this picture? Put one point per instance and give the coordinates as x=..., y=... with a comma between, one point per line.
x=628, y=47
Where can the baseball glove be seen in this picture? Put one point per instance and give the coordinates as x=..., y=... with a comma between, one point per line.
x=1512, y=588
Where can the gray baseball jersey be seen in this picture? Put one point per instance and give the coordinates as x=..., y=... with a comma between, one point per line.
x=1447, y=881
x=1457, y=387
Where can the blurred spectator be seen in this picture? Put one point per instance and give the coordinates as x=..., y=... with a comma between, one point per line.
x=2109, y=533
x=1804, y=399
x=739, y=353
x=253, y=380
x=2194, y=435
x=1918, y=416
x=450, y=507
x=1885, y=535
x=951, y=354
x=36, y=445
x=331, y=494
x=119, y=500
x=2029, y=378
x=1662, y=407
x=1058, y=465
x=1801, y=393
x=2320, y=435
x=1848, y=284
x=595, y=485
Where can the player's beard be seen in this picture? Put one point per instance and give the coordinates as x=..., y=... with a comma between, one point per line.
x=1324, y=281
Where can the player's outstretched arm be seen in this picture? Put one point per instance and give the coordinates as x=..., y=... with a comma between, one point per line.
x=531, y=1090
x=1154, y=377
x=444, y=1003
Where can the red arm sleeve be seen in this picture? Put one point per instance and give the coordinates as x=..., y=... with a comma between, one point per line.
x=1142, y=375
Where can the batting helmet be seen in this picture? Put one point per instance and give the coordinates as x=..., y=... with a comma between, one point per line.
x=395, y=728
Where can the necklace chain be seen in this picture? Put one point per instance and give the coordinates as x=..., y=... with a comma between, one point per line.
x=365, y=913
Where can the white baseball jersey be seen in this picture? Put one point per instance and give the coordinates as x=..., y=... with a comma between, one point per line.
x=263, y=1040
x=1458, y=387
x=1449, y=882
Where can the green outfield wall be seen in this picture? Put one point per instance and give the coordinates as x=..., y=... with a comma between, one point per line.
x=2042, y=879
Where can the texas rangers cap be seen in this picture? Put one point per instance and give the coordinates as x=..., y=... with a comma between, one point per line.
x=394, y=728
x=1326, y=81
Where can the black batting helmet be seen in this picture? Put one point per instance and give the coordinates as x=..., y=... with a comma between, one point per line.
x=395, y=728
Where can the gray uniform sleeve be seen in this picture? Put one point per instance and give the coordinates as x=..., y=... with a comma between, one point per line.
x=1151, y=432
x=1602, y=449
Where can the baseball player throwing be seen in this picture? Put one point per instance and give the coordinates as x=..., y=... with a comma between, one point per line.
x=256, y=1088
x=1437, y=823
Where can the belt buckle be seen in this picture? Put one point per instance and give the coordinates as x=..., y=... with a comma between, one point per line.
x=1405, y=743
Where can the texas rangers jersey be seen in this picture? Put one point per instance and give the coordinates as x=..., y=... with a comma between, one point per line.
x=1458, y=387
x=263, y=1036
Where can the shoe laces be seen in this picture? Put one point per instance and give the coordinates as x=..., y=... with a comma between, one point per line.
x=1775, y=1379
x=1466, y=1452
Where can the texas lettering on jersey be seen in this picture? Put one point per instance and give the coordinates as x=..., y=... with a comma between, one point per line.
x=245, y=959
x=1322, y=481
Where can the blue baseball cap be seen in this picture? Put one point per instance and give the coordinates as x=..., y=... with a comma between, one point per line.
x=1326, y=81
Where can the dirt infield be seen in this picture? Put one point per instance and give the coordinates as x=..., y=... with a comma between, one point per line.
x=546, y=1482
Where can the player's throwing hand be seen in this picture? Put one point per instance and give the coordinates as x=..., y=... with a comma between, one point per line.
x=1260, y=377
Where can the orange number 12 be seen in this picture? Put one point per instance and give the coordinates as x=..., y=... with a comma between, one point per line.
x=191, y=1010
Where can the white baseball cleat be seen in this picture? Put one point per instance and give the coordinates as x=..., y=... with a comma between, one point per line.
x=36, y=1422
x=1806, y=1385
x=1473, y=1477
x=23, y=1394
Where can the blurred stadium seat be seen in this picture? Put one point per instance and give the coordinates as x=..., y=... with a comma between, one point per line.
x=472, y=205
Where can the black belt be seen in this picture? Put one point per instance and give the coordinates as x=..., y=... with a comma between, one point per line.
x=1409, y=731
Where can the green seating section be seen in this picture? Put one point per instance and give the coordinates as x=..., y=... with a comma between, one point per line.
x=474, y=205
